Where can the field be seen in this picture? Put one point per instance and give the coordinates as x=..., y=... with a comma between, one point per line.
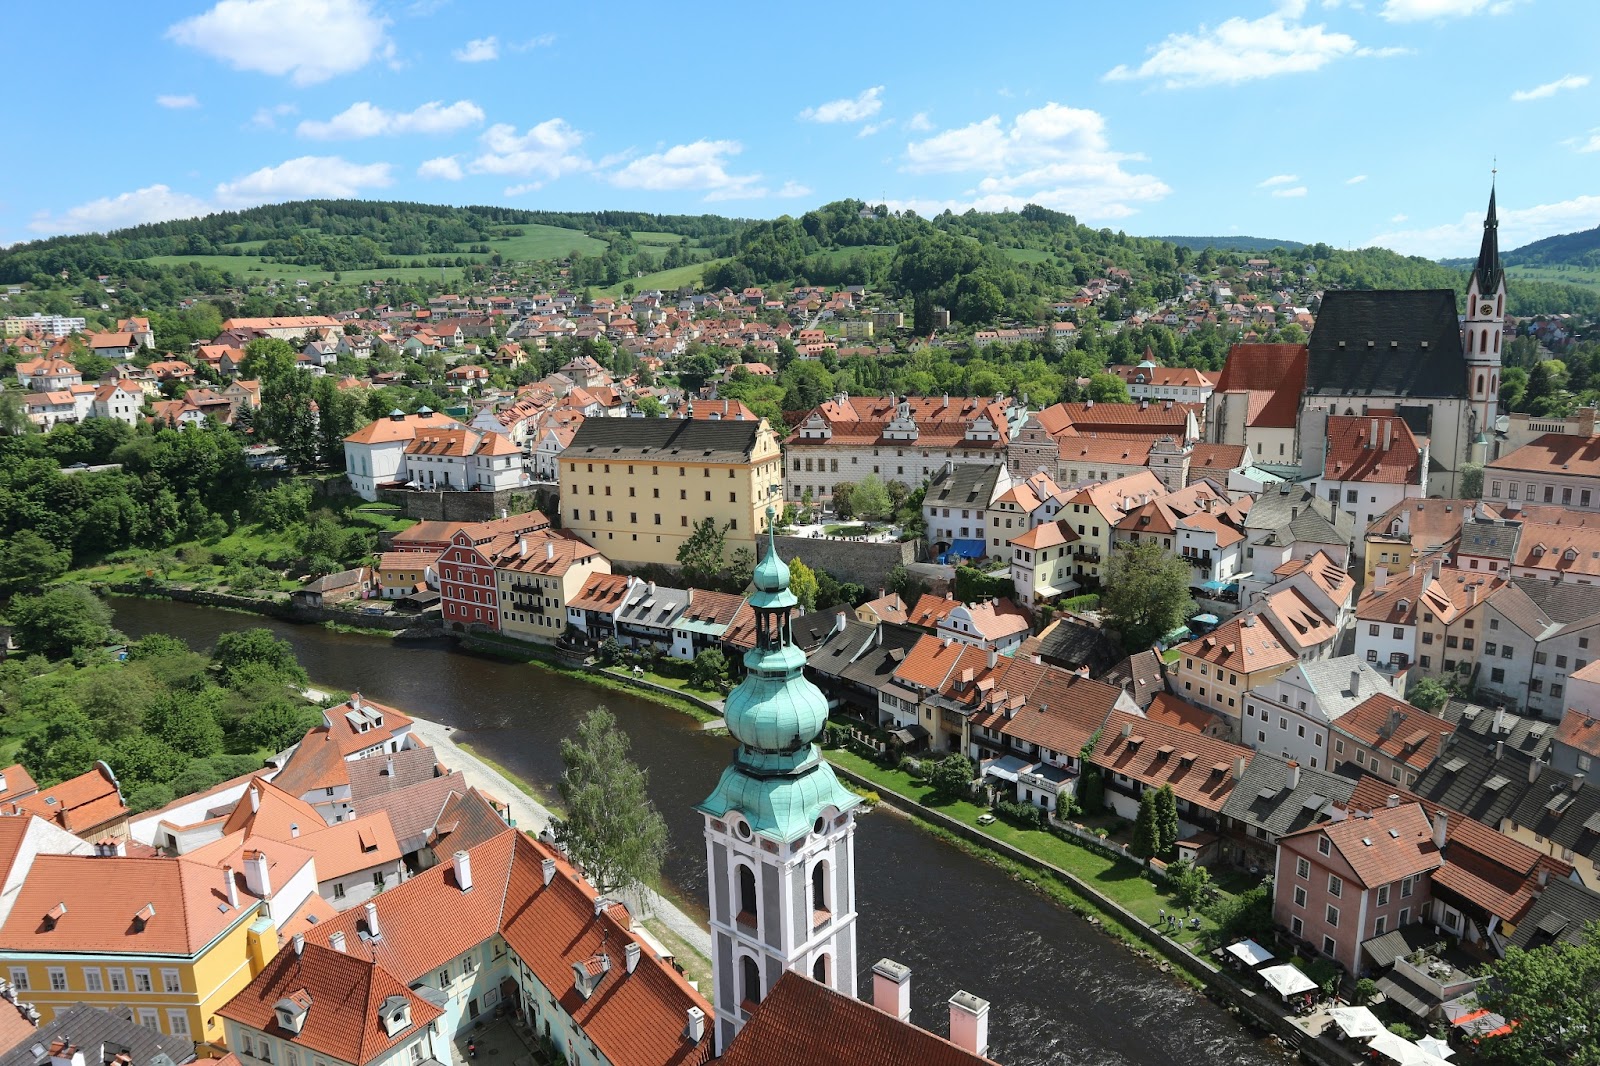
x=1026, y=255
x=664, y=279
x=642, y=236
x=1585, y=276
x=546, y=242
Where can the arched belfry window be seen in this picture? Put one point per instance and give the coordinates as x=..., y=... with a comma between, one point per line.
x=749, y=980
x=820, y=896
x=747, y=894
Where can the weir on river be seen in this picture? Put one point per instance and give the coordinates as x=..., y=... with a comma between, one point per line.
x=1061, y=992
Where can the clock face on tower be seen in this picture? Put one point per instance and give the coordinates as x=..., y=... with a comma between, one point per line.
x=1486, y=309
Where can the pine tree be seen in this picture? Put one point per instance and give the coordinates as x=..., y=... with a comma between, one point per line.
x=1146, y=831
x=1166, y=805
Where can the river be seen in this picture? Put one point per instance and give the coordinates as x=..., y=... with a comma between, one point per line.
x=1060, y=992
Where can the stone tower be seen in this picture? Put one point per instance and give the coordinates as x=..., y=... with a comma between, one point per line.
x=779, y=827
x=1480, y=333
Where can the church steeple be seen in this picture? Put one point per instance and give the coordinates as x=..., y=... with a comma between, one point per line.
x=1488, y=273
x=780, y=828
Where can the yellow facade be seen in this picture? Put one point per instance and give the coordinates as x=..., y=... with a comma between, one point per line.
x=184, y=992
x=533, y=606
x=641, y=511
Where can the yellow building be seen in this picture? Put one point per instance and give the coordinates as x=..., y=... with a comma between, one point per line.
x=1413, y=531
x=636, y=488
x=1094, y=511
x=400, y=573
x=537, y=576
x=169, y=939
x=1217, y=669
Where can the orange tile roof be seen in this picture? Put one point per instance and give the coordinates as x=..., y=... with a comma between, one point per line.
x=1174, y=711
x=803, y=1023
x=1061, y=712
x=1578, y=730
x=1298, y=620
x=994, y=619
x=1200, y=768
x=103, y=894
x=1552, y=453
x=285, y=322
x=1372, y=449
x=285, y=859
x=929, y=610
x=1274, y=375
x=929, y=662
x=1113, y=499
x=1377, y=857
x=545, y=551
x=78, y=805
x=601, y=592
x=268, y=810
x=344, y=1019
x=1046, y=535
x=351, y=846
x=18, y=782
x=1239, y=645
x=1396, y=729
x=390, y=430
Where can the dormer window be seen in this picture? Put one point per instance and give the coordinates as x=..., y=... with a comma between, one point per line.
x=395, y=1015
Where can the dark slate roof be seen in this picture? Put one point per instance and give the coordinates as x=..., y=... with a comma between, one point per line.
x=1382, y=950
x=963, y=485
x=1492, y=538
x=1562, y=814
x=1070, y=644
x=687, y=440
x=1296, y=512
x=1488, y=270
x=1560, y=913
x=810, y=630
x=864, y=653
x=1141, y=674
x=1565, y=603
x=101, y=1035
x=1482, y=769
x=1285, y=810
x=1387, y=342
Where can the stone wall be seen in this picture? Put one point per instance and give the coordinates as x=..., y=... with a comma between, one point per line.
x=281, y=608
x=441, y=506
x=866, y=563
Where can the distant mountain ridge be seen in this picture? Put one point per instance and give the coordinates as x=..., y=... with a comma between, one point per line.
x=1237, y=244
x=1580, y=249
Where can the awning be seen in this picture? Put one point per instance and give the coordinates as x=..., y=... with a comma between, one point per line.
x=1250, y=953
x=910, y=734
x=1382, y=950
x=1206, y=620
x=1436, y=1047
x=969, y=549
x=1286, y=980
x=1405, y=995
x=1357, y=1022
x=1480, y=1023
x=1005, y=768
x=1400, y=1050
x=1218, y=586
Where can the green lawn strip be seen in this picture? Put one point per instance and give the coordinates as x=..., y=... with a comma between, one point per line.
x=1116, y=878
x=531, y=792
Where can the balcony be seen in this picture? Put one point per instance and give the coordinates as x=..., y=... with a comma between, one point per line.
x=1086, y=555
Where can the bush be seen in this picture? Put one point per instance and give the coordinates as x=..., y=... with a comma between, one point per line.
x=1189, y=882
x=1366, y=990
x=951, y=777
x=1025, y=815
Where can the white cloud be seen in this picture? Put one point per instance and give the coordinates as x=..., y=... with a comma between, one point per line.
x=920, y=122
x=849, y=109
x=178, y=103
x=308, y=176
x=327, y=177
x=549, y=149
x=793, y=190
x=266, y=118
x=1357, y=180
x=1295, y=193
x=154, y=203
x=702, y=165
x=1517, y=226
x=310, y=40
x=445, y=167
x=1238, y=50
x=1592, y=144
x=1550, y=88
x=1422, y=10
x=1399, y=218
x=479, y=51
x=364, y=119
x=1055, y=156
x=871, y=128
x=544, y=40
x=1279, y=179
x=525, y=187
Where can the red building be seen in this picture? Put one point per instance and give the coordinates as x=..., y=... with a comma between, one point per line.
x=466, y=568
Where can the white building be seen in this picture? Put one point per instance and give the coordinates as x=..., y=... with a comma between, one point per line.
x=119, y=400
x=1291, y=714
x=375, y=454
x=1368, y=464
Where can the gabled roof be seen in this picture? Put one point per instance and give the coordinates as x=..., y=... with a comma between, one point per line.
x=1559, y=916
x=1061, y=713
x=601, y=592
x=1396, y=729
x=963, y=485
x=1199, y=768
x=1372, y=449
x=1070, y=644
x=671, y=440
x=929, y=610
x=1263, y=799
x=1140, y=675
x=345, y=995
x=1395, y=842
x=1273, y=376
x=78, y=804
x=803, y=1023
x=1247, y=643
x=1404, y=343
x=100, y=1035
x=1552, y=453
x=1482, y=768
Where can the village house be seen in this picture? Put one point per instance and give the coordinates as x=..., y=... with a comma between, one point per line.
x=1217, y=669
x=1137, y=754
x=1293, y=712
x=1551, y=469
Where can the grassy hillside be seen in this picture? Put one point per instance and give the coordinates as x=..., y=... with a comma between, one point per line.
x=1237, y=244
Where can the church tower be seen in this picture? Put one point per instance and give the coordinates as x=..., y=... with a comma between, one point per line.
x=1480, y=333
x=779, y=827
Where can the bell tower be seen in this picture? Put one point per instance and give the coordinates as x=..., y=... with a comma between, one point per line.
x=780, y=829
x=1481, y=329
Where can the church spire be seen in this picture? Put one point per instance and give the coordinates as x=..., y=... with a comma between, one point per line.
x=1488, y=270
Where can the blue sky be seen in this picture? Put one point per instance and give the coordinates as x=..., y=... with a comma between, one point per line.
x=1350, y=121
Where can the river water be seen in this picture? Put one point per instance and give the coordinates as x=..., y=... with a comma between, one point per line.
x=1060, y=992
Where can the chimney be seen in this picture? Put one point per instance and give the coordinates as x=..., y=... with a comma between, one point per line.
x=547, y=869
x=1249, y=621
x=994, y=657
x=1238, y=768
x=1294, y=775
x=1388, y=434
x=256, y=876
x=1355, y=683
x=1499, y=750
x=696, y=1029
x=1127, y=730
x=891, y=988
x=1586, y=421
x=1392, y=800
x=336, y=940
x=969, y=1023
x=299, y=943
x=1500, y=720
x=388, y=766
x=1380, y=578
x=255, y=799
x=374, y=930
x=231, y=888
x=839, y=622
x=1534, y=767
x=1577, y=782
x=294, y=829
x=1440, y=826
x=630, y=954
x=462, y=862
x=1374, y=443
x=522, y=547
x=1472, y=594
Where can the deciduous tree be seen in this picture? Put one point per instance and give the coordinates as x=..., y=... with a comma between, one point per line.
x=1144, y=593
x=611, y=825
x=1551, y=997
x=58, y=621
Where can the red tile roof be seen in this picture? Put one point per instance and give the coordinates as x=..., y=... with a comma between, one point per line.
x=1199, y=768
x=79, y=805
x=1372, y=449
x=1247, y=643
x=1396, y=729
x=929, y=610
x=1376, y=856
x=1553, y=452
x=803, y=1023
x=1273, y=374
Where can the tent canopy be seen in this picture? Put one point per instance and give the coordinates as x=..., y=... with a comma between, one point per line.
x=1249, y=952
x=1286, y=980
x=1357, y=1022
x=1435, y=1047
x=1401, y=1051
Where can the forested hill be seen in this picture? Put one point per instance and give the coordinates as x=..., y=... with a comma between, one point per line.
x=1567, y=249
x=1236, y=244
x=983, y=268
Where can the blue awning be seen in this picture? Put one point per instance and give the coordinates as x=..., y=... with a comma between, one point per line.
x=1206, y=620
x=968, y=549
x=1218, y=586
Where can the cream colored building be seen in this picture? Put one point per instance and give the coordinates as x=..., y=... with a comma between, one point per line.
x=636, y=488
x=537, y=576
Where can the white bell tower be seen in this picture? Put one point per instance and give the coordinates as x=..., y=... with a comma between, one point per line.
x=780, y=829
x=1481, y=331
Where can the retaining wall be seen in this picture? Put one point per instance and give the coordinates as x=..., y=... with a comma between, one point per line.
x=441, y=506
x=283, y=609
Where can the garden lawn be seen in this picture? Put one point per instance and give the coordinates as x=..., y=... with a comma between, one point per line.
x=1113, y=877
